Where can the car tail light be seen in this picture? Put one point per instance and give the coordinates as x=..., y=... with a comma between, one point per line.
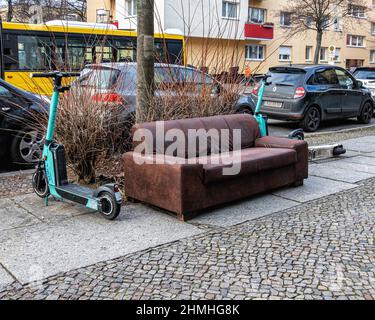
x=108, y=98
x=300, y=92
x=256, y=89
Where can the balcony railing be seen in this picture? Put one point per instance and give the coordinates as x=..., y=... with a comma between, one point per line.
x=258, y=31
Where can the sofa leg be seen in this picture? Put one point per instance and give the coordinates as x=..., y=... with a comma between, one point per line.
x=297, y=183
x=181, y=217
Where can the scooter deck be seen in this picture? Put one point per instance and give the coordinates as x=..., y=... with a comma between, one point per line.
x=75, y=193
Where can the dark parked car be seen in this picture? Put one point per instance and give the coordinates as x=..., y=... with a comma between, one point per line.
x=314, y=93
x=20, y=141
x=116, y=82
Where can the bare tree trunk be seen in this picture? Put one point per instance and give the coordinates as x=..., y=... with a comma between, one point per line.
x=10, y=10
x=319, y=36
x=145, y=57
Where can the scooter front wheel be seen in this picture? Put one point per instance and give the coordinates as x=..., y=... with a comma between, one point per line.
x=110, y=208
x=40, y=184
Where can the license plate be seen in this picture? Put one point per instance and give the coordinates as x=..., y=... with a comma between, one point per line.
x=273, y=104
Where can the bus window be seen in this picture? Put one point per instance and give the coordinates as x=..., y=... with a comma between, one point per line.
x=159, y=51
x=124, y=50
x=77, y=54
x=103, y=51
x=175, y=51
x=33, y=53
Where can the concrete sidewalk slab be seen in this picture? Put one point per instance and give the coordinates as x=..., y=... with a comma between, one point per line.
x=361, y=144
x=352, y=167
x=46, y=249
x=361, y=160
x=56, y=210
x=13, y=216
x=330, y=171
x=5, y=278
x=314, y=188
x=254, y=208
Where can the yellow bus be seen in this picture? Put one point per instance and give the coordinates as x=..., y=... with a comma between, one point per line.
x=69, y=46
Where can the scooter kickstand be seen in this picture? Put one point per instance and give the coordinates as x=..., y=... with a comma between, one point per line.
x=46, y=201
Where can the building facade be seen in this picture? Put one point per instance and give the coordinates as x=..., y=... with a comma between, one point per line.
x=247, y=33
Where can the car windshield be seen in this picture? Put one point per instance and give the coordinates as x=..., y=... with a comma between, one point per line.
x=98, y=77
x=365, y=74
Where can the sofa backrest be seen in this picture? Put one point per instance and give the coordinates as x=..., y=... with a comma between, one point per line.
x=248, y=126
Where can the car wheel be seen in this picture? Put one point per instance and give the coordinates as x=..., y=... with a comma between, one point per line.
x=26, y=146
x=366, y=113
x=311, y=120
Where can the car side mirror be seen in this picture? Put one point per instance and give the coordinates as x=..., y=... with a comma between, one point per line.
x=359, y=84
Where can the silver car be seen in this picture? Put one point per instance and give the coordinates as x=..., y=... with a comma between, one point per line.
x=367, y=76
x=116, y=83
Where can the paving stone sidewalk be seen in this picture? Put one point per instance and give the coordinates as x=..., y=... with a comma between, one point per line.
x=323, y=249
x=312, y=242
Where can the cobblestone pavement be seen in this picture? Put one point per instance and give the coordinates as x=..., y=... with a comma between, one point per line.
x=323, y=249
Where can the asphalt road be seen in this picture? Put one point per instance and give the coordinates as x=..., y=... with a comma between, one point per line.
x=283, y=128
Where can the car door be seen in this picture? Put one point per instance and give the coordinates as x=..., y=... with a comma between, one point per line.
x=325, y=86
x=8, y=102
x=351, y=97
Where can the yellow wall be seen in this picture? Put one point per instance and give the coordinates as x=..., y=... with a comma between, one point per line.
x=219, y=53
x=299, y=42
x=93, y=5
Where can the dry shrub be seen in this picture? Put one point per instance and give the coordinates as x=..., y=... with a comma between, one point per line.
x=89, y=132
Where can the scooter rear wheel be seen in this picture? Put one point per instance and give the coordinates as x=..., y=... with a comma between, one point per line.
x=40, y=185
x=110, y=208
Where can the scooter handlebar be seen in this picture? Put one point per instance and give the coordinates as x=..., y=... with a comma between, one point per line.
x=54, y=74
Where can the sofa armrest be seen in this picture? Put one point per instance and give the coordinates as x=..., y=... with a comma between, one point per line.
x=285, y=143
x=160, y=180
x=300, y=146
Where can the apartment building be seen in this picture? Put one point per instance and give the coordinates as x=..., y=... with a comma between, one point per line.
x=247, y=33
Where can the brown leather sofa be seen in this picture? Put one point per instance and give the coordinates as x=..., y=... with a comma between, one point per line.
x=197, y=182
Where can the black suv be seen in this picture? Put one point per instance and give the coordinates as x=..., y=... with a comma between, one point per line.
x=20, y=141
x=314, y=93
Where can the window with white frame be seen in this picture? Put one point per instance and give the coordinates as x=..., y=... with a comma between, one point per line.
x=285, y=19
x=337, y=24
x=355, y=41
x=308, y=53
x=356, y=11
x=254, y=52
x=130, y=8
x=373, y=28
x=337, y=54
x=373, y=3
x=257, y=15
x=285, y=53
x=323, y=56
x=102, y=16
x=372, y=56
x=230, y=9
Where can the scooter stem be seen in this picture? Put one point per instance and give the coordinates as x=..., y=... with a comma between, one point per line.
x=52, y=116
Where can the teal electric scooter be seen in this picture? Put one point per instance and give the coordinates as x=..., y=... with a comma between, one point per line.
x=315, y=152
x=50, y=177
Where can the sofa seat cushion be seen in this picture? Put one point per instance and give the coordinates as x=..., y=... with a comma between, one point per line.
x=250, y=161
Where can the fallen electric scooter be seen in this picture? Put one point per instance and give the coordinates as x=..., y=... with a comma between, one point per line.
x=315, y=152
x=50, y=177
